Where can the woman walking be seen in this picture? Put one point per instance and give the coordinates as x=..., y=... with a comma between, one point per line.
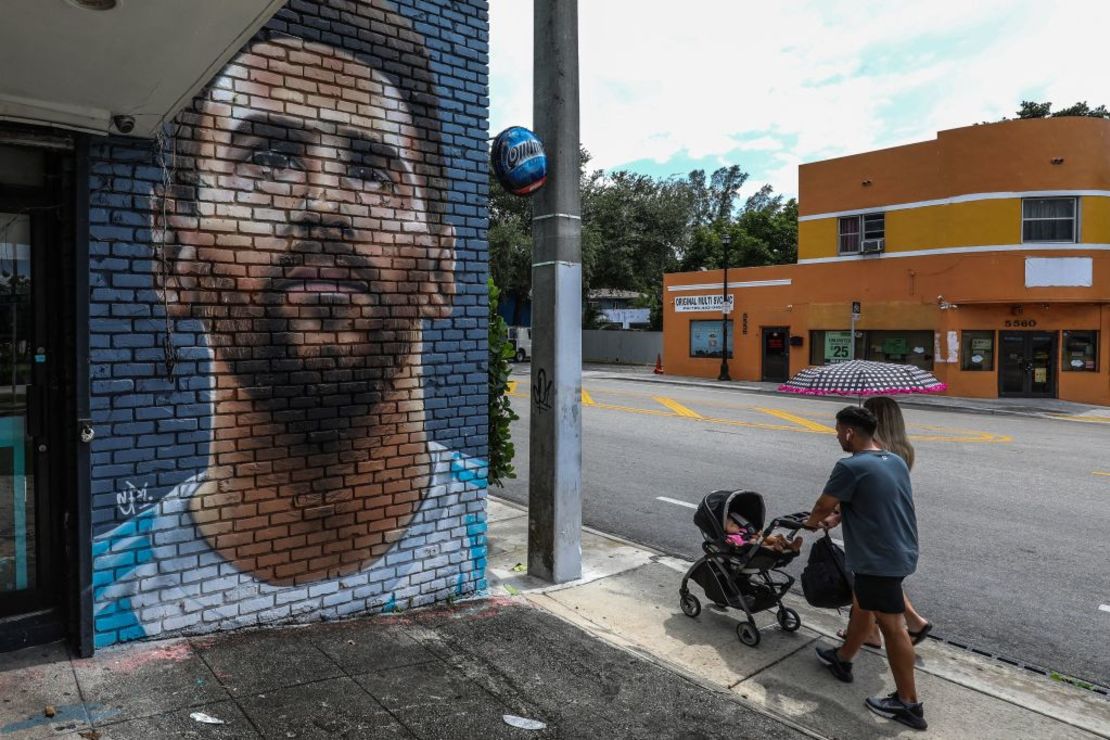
x=890, y=434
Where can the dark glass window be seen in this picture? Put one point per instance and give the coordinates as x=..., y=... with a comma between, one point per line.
x=1049, y=220
x=900, y=347
x=1080, y=351
x=705, y=338
x=977, y=350
x=849, y=235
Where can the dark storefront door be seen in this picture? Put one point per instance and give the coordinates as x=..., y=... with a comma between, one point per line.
x=1028, y=364
x=776, y=354
x=34, y=315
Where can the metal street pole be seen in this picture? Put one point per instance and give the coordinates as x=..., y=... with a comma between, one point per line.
x=726, y=240
x=555, y=441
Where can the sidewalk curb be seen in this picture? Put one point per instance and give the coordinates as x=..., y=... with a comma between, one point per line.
x=658, y=556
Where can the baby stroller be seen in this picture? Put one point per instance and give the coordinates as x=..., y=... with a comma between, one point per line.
x=746, y=577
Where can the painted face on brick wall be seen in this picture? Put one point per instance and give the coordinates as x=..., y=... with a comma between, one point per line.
x=313, y=254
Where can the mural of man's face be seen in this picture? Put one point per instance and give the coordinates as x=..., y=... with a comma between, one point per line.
x=313, y=256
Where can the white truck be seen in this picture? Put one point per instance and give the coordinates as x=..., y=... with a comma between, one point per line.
x=521, y=337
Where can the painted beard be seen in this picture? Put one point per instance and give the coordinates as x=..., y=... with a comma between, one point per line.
x=318, y=376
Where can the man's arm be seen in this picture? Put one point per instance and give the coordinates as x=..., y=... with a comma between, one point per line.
x=825, y=506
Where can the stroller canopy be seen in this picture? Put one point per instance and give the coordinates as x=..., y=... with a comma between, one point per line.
x=714, y=510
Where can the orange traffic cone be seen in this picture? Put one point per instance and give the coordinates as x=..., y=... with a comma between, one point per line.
x=658, y=365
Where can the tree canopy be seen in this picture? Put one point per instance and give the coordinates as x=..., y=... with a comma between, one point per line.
x=1032, y=109
x=636, y=227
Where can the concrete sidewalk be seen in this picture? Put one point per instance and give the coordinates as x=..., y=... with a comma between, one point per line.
x=1050, y=408
x=453, y=672
x=629, y=596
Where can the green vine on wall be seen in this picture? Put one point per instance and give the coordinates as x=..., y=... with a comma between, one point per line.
x=501, y=414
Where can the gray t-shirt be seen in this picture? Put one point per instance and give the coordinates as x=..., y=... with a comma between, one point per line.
x=880, y=524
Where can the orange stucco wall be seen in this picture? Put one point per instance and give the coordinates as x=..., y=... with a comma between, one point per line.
x=1011, y=156
x=981, y=292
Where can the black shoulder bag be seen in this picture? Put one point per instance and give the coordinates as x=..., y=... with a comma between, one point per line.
x=826, y=582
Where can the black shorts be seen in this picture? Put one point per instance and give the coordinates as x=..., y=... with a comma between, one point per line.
x=880, y=593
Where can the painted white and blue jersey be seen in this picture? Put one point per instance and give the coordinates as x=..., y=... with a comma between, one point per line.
x=156, y=574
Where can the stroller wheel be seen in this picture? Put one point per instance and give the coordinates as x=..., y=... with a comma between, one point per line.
x=788, y=619
x=691, y=607
x=748, y=633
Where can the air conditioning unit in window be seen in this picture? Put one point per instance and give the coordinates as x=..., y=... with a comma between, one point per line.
x=871, y=246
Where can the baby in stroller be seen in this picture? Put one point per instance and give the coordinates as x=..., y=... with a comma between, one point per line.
x=743, y=559
x=740, y=533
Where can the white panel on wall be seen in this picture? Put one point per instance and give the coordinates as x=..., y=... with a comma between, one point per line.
x=1058, y=272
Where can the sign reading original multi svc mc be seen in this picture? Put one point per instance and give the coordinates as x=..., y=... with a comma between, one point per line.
x=684, y=303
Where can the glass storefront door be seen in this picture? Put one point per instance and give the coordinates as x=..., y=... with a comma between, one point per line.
x=776, y=354
x=1027, y=365
x=19, y=541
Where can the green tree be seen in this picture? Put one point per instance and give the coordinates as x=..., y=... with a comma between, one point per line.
x=501, y=414
x=1031, y=109
x=714, y=201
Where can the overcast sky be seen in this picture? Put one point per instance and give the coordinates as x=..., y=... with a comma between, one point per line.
x=769, y=85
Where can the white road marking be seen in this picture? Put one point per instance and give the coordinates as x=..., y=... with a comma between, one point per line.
x=687, y=504
x=1104, y=607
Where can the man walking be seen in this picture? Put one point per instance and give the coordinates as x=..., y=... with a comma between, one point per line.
x=872, y=490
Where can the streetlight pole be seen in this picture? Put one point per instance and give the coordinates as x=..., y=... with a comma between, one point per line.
x=726, y=240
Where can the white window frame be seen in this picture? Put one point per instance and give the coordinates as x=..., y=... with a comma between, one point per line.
x=1074, y=220
x=861, y=231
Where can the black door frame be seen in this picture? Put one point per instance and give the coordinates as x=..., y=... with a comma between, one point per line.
x=763, y=331
x=60, y=224
x=1027, y=355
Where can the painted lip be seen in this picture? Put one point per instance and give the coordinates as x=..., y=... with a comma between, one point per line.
x=302, y=280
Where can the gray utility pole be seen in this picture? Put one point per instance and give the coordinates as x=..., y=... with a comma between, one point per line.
x=555, y=441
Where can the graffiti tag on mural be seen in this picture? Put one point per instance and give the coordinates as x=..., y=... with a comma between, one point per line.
x=129, y=500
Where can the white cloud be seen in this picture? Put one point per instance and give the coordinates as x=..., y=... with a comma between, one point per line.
x=803, y=80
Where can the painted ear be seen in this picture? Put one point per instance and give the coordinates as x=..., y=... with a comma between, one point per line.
x=441, y=288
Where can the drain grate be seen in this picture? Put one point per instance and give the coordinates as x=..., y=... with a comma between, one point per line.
x=1082, y=683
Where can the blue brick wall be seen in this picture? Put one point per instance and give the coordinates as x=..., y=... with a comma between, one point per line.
x=155, y=573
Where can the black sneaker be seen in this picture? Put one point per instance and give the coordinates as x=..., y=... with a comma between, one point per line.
x=839, y=667
x=891, y=707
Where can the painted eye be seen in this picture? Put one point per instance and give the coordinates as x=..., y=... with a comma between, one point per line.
x=272, y=160
x=374, y=177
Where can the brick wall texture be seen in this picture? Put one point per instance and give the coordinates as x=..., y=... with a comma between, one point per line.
x=288, y=330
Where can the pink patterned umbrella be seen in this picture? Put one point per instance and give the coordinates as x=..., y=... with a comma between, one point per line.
x=863, y=378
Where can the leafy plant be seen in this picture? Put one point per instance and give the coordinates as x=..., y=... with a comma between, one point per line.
x=501, y=414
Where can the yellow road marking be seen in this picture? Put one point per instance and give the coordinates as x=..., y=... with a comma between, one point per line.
x=676, y=410
x=631, y=410
x=1101, y=472
x=1083, y=419
x=677, y=407
x=800, y=421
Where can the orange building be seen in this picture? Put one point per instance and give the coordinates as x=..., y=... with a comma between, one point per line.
x=983, y=256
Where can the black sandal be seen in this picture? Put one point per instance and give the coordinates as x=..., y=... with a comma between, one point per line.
x=918, y=637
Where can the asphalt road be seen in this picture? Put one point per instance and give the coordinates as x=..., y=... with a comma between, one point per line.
x=1013, y=512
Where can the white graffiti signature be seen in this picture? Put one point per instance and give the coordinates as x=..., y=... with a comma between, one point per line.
x=126, y=499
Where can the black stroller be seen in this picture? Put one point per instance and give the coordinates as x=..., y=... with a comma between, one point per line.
x=746, y=577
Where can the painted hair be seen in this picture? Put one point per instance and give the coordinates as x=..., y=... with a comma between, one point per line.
x=891, y=429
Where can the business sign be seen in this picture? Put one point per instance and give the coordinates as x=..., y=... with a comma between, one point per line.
x=684, y=303
x=838, y=346
x=627, y=316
